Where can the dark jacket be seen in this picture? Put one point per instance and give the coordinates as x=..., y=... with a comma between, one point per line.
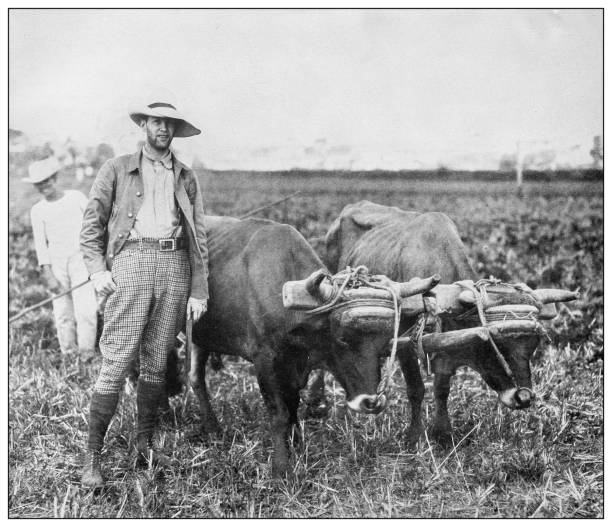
x=114, y=201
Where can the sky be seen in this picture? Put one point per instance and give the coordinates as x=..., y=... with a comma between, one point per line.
x=426, y=80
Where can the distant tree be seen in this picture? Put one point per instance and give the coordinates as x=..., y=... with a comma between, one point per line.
x=72, y=149
x=507, y=163
x=15, y=134
x=442, y=170
x=597, y=152
x=103, y=153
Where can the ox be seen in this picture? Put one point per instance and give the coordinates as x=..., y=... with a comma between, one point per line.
x=402, y=245
x=249, y=261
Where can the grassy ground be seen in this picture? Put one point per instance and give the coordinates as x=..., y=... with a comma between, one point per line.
x=543, y=462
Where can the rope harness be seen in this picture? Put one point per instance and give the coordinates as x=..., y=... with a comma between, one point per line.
x=479, y=290
x=417, y=330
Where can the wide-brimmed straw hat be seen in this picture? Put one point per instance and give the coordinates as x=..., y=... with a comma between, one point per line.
x=41, y=170
x=163, y=105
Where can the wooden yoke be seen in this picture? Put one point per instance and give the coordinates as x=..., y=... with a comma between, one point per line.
x=296, y=294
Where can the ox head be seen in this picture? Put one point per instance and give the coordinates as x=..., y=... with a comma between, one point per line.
x=360, y=338
x=515, y=331
x=514, y=387
x=360, y=334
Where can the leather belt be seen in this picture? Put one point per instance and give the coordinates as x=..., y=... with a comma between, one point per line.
x=160, y=244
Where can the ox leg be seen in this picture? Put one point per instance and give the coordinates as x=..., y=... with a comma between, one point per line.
x=291, y=395
x=294, y=374
x=197, y=379
x=282, y=398
x=416, y=391
x=441, y=430
x=172, y=387
x=316, y=403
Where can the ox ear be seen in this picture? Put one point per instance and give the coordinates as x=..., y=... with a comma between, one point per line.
x=317, y=288
x=546, y=296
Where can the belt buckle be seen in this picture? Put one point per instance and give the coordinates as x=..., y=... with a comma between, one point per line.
x=167, y=244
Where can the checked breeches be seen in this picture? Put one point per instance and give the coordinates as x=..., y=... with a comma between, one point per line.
x=144, y=315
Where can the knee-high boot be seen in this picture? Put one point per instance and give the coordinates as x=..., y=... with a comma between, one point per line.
x=148, y=396
x=101, y=411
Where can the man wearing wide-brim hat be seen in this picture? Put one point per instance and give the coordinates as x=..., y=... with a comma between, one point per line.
x=144, y=244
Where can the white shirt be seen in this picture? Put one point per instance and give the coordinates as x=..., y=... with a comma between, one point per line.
x=158, y=215
x=56, y=226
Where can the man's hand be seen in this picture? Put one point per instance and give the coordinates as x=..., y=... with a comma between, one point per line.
x=53, y=284
x=103, y=283
x=196, y=308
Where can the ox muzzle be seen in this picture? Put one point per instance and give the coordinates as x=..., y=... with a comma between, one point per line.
x=517, y=398
x=368, y=404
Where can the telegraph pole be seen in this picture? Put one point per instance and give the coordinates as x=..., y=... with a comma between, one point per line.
x=519, y=169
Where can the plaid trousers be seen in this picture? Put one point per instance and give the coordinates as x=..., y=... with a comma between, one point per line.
x=143, y=315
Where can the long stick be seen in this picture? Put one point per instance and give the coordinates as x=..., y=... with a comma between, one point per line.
x=40, y=304
x=263, y=207
x=188, y=346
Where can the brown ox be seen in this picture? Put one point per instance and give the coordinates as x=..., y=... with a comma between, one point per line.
x=403, y=245
x=249, y=261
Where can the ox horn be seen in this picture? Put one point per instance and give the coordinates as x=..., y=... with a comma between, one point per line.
x=418, y=286
x=316, y=287
x=546, y=296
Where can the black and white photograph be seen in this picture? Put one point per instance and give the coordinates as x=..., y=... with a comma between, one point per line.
x=341, y=263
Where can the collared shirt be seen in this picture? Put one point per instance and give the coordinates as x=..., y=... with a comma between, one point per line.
x=158, y=216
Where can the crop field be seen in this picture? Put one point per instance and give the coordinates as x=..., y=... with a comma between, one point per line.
x=546, y=461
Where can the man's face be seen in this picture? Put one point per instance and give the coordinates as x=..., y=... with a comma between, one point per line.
x=160, y=132
x=47, y=187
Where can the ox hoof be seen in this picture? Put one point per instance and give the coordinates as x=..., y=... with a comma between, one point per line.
x=412, y=437
x=279, y=470
x=442, y=435
x=210, y=430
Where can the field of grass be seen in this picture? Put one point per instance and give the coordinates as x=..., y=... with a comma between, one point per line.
x=546, y=461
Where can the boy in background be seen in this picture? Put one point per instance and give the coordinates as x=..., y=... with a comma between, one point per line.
x=56, y=224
